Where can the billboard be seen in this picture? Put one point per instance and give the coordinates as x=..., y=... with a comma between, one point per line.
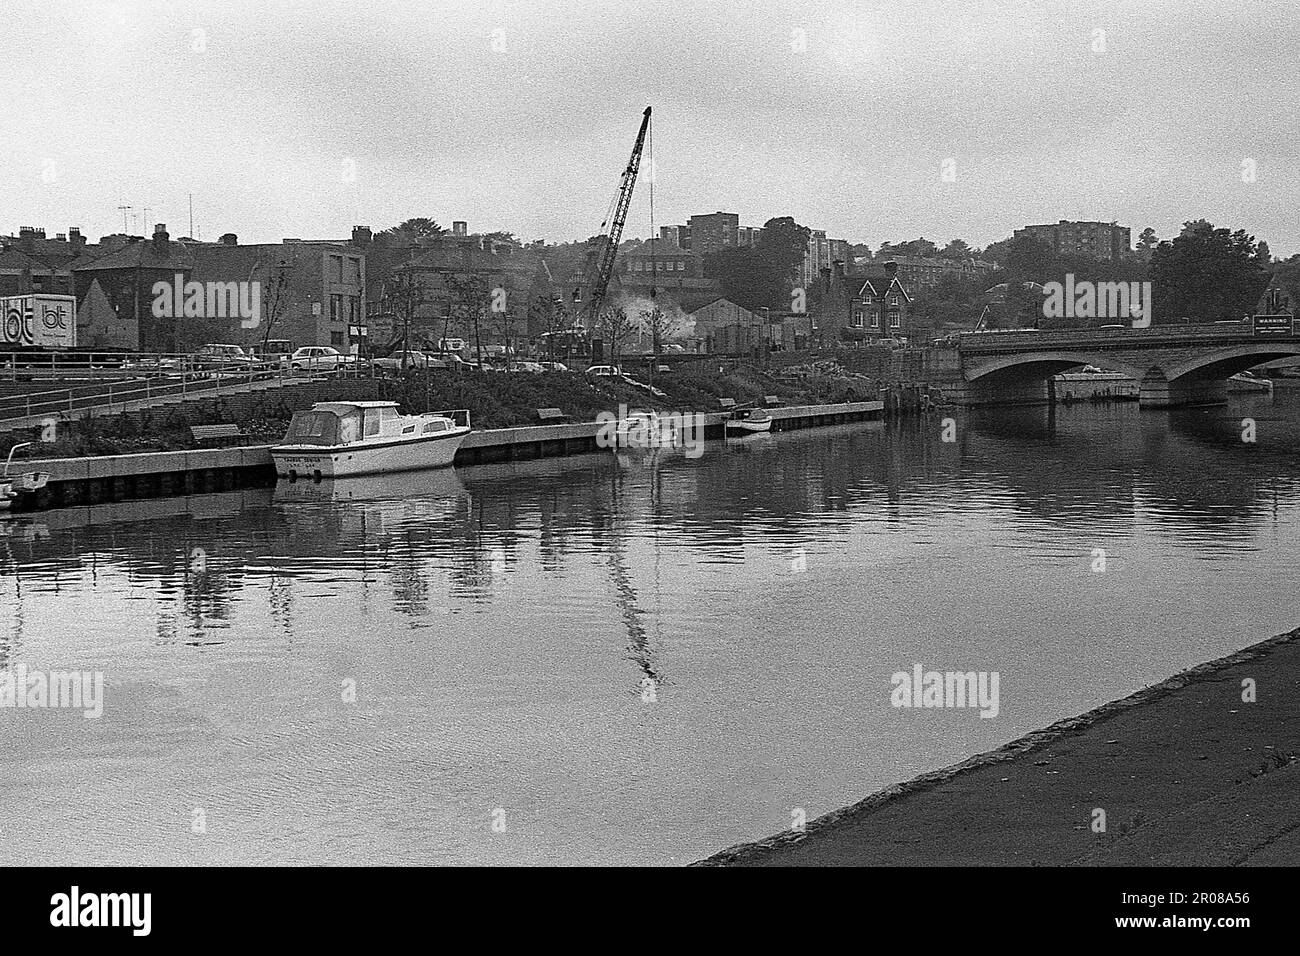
x=43, y=321
x=1279, y=324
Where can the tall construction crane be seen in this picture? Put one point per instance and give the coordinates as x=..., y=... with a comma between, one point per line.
x=589, y=297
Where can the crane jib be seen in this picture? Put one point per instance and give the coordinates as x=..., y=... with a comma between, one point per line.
x=597, y=279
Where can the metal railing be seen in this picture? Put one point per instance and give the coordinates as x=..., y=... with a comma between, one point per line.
x=148, y=379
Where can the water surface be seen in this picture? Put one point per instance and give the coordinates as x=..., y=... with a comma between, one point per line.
x=640, y=658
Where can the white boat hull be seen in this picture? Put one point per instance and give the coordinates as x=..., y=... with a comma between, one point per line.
x=740, y=427
x=367, y=458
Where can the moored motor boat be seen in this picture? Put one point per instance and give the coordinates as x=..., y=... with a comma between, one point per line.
x=747, y=421
x=338, y=439
x=11, y=486
x=645, y=429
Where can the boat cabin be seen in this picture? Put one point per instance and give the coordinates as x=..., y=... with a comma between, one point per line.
x=342, y=423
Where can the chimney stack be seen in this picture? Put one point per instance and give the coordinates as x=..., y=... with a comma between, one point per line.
x=361, y=236
x=460, y=228
x=160, y=238
x=230, y=239
x=75, y=239
x=27, y=237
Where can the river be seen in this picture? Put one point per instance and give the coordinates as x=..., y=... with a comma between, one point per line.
x=640, y=658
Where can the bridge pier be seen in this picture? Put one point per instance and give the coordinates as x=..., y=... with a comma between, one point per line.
x=1003, y=391
x=1158, y=392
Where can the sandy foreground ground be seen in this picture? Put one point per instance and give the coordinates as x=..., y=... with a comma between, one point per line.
x=1186, y=772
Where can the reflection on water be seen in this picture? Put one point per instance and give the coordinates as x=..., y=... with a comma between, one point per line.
x=639, y=657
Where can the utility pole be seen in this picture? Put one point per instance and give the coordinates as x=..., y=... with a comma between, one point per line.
x=192, y=236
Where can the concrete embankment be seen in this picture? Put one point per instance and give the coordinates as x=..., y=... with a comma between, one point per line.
x=1186, y=773
x=80, y=481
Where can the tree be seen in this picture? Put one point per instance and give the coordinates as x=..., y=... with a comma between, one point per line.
x=1147, y=243
x=1286, y=276
x=912, y=248
x=782, y=246
x=762, y=276
x=957, y=249
x=1206, y=274
x=1029, y=258
x=404, y=293
x=276, y=299
x=614, y=325
x=411, y=231
x=468, y=295
x=746, y=278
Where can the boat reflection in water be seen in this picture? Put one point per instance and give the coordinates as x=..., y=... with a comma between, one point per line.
x=433, y=483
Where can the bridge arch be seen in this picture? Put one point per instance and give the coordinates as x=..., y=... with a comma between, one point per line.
x=1045, y=364
x=1226, y=362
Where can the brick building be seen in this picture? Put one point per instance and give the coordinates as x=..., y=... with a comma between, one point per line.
x=126, y=275
x=881, y=306
x=1099, y=240
x=313, y=292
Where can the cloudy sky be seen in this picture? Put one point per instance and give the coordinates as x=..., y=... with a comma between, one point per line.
x=296, y=118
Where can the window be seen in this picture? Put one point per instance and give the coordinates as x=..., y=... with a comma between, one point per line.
x=875, y=318
x=894, y=320
x=857, y=319
x=681, y=265
x=336, y=308
x=893, y=300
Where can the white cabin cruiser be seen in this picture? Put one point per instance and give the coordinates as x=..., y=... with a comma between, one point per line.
x=11, y=486
x=645, y=429
x=338, y=439
x=748, y=421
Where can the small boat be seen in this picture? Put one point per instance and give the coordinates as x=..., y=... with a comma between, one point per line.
x=339, y=439
x=747, y=421
x=642, y=429
x=11, y=486
x=1249, y=382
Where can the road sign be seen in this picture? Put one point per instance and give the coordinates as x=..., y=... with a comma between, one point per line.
x=1280, y=324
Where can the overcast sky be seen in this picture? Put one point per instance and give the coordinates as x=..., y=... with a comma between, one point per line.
x=296, y=118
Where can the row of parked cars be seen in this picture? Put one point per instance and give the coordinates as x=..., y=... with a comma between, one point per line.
x=325, y=358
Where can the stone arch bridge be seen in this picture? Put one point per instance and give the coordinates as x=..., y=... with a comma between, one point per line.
x=1173, y=365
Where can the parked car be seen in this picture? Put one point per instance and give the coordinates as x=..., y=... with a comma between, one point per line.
x=220, y=356
x=534, y=368
x=319, y=358
x=400, y=361
x=152, y=363
x=447, y=360
x=275, y=350
x=605, y=371
x=553, y=366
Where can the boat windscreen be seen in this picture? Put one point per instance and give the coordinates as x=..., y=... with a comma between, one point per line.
x=322, y=428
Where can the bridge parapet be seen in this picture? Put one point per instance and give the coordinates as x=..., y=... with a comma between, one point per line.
x=1034, y=340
